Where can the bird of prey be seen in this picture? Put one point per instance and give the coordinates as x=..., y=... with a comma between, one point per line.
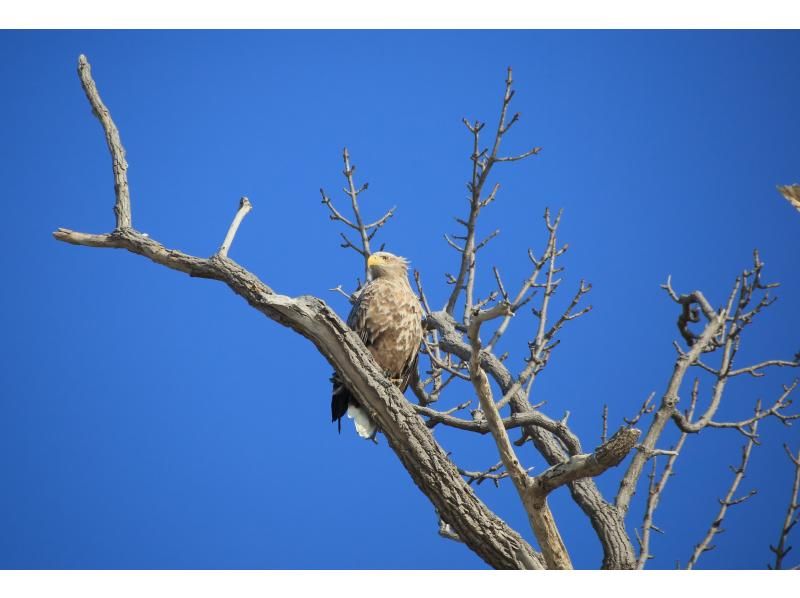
x=388, y=318
x=792, y=195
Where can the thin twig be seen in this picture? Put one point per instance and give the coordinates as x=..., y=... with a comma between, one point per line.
x=792, y=515
x=482, y=163
x=365, y=231
x=716, y=526
x=478, y=477
x=776, y=410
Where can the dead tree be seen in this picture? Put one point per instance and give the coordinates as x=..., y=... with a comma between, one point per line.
x=459, y=349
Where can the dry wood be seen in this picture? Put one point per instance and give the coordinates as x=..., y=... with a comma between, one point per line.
x=457, y=356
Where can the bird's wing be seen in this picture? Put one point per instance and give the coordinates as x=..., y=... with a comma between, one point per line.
x=412, y=323
x=358, y=320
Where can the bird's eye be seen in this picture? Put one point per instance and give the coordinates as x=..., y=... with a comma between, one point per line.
x=384, y=258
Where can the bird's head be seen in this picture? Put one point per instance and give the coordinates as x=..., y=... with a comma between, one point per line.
x=383, y=263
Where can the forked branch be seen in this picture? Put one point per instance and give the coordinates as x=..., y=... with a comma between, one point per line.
x=482, y=162
x=721, y=334
x=535, y=503
x=365, y=231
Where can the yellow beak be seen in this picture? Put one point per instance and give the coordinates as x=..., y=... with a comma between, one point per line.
x=372, y=261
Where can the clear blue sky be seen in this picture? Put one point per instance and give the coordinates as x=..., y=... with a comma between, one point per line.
x=149, y=420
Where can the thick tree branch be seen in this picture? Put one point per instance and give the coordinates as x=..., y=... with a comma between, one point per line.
x=422, y=457
x=535, y=503
x=481, y=530
x=607, y=455
x=550, y=437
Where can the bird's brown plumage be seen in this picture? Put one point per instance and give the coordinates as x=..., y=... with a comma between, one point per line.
x=388, y=318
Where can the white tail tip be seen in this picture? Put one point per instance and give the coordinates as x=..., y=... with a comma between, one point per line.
x=365, y=427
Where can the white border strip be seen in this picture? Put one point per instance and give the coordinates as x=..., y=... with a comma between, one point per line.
x=407, y=14
x=387, y=584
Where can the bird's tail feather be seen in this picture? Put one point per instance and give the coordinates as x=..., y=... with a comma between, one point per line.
x=365, y=427
x=340, y=398
x=344, y=403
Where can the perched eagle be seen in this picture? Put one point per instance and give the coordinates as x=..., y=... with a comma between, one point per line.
x=388, y=318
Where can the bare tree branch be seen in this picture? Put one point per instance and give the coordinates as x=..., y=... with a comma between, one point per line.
x=792, y=515
x=716, y=526
x=531, y=152
x=550, y=437
x=646, y=409
x=478, y=477
x=335, y=214
x=482, y=163
x=244, y=207
x=516, y=420
x=627, y=486
x=345, y=294
x=122, y=206
x=353, y=192
x=365, y=231
x=722, y=332
x=609, y=454
x=522, y=296
x=657, y=488
x=535, y=503
x=753, y=370
x=745, y=425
